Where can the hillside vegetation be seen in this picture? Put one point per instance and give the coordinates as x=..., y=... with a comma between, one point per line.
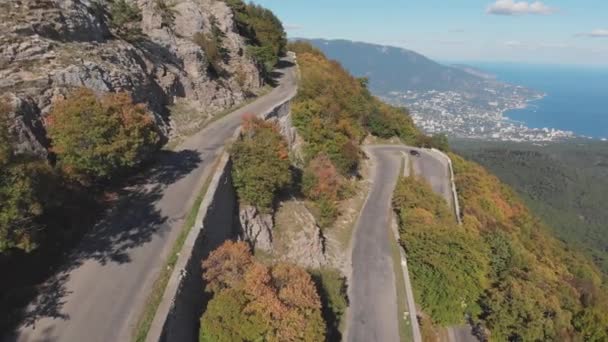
x=264, y=31
x=563, y=183
x=333, y=112
x=501, y=269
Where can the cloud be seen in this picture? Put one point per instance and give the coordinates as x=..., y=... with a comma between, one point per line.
x=599, y=33
x=511, y=7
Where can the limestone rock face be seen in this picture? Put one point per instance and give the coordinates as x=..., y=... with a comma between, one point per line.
x=298, y=238
x=256, y=228
x=48, y=47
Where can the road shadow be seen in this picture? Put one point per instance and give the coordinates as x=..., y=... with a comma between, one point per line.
x=131, y=221
x=274, y=77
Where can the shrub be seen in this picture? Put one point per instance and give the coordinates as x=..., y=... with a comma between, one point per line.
x=209, y=44
x=438, y=141
x=321, y=179
x=213, y=47
x=261, y=164
x=125, y=18
x=98, y=137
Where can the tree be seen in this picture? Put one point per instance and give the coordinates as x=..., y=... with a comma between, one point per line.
x=332, y=288
x=226, y=266
x=227, y=319
x=19, y=207
x=19, y=203
x=261, y=164
x=264, y=31
x=321, y=179
x=98, y=137
x=257, y=302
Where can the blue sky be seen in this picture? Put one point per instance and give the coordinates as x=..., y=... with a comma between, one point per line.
x=548, y=31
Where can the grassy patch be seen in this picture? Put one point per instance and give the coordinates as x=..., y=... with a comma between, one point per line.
x=160, y=284
x=405, y=323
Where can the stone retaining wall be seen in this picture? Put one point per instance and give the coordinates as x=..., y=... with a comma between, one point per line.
x=177, y=317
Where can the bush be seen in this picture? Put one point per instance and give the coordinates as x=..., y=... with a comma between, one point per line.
x=98, y=137
x=321, y=179
x=438, y=141
x=261, y=164
x=213, y=47
x=125, y=18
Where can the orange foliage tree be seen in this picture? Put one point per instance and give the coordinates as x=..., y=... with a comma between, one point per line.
x=277, y=303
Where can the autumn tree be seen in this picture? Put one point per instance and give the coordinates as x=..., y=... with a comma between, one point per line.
x=261, y=165
x=100, y=136
x=225, y=267
x=226, y=319
x=323, y=184
x=258, y=302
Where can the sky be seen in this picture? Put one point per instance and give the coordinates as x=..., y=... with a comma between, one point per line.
x=538, y=32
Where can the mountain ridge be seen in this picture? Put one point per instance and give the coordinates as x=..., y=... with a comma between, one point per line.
x=415, y=72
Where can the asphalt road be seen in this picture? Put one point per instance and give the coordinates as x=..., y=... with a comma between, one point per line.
x=373, y=311
x=99, y=295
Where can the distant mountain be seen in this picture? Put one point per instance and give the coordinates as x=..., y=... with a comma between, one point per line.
x=475, y=71
x=397, y=69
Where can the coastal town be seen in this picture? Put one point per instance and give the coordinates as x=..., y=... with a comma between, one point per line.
x=479, y=116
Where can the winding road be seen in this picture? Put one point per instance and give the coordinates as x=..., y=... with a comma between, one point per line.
x=99, y=295
x=373, y=312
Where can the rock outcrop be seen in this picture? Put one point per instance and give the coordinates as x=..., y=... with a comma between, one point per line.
x=298, y=238
x=48, y=47
x=256, y=228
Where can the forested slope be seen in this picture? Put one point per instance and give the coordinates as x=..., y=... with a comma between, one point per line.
x=566, y=184
x=502, y=270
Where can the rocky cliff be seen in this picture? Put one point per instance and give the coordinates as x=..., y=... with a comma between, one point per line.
x=48, y=47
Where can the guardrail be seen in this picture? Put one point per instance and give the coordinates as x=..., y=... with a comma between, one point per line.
x=454, y=192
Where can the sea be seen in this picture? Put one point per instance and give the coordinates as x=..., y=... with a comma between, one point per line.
x=576, y=96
